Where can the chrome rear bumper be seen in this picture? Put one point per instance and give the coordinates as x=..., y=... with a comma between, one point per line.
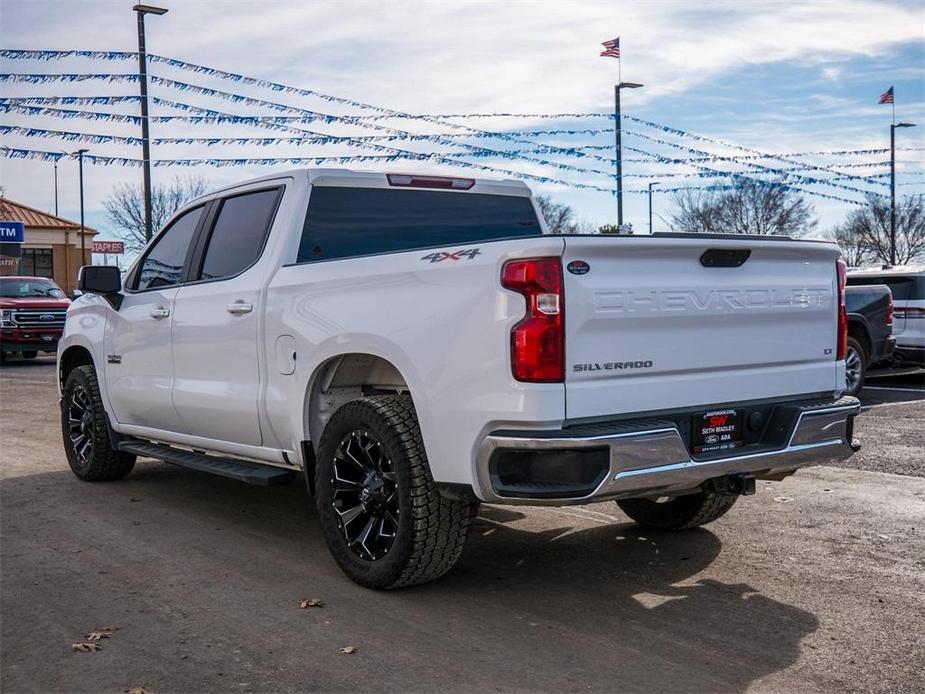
x=657, y=462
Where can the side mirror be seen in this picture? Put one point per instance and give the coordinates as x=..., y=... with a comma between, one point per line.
x=99, y=279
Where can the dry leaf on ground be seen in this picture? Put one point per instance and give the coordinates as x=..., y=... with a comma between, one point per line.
x=348, y=649
x=110, y=629
x=138, y=690
x=311, y=603
x=86, y=647
x=97, y=635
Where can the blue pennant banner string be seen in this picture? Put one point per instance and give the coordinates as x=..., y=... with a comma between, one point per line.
x=713, y=140
x=47, y=55
x=219, y=117
x=226, y=118
x=305, y=113
x=134, y=141
x=742, y=180
x=358, y=119
x=805, y=180
x=68, y=135
x=69, y=113
x=110, y=55
x=18, y=153
x=441, y=158
x=328, y=118
x=72, y=100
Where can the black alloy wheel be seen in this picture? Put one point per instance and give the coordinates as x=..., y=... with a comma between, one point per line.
x=383, y=518
x=365, y=495
x=85, y=430
x=80, y=424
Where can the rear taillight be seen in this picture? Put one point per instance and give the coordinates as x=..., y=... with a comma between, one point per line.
x=538, y=341
x=889, y=311
x=842, y=347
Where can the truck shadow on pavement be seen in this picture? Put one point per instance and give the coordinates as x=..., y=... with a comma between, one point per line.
x=542, y=599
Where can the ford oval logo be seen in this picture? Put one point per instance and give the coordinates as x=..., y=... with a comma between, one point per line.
x=47, y=316
x=712, y=438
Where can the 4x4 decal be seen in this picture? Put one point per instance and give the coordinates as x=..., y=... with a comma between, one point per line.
x=440, y=256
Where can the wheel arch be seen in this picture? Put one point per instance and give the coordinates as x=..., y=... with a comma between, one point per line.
x=342, y=378
x=70, y=359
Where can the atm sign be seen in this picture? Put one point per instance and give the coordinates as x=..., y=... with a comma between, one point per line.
x=12, y=232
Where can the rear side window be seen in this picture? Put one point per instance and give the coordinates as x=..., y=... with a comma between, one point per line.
x=349, y=222
x=239, y=233
x=163, y=264
x=902, y=288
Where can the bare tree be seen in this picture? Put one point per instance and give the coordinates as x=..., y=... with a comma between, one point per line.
x=853, y=249
x=559, y=218
x=125, y=207
x=751, y=207
x=870, y=226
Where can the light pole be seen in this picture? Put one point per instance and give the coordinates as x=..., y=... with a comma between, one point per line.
x=893, y=127
x=651, y=185
x=619, y=146
x=56, y=186
x=83, y=244
x=141, y=11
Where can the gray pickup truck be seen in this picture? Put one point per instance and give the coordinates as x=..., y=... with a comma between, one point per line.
x=870, y=332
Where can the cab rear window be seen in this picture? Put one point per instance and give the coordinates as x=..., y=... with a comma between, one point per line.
x=351, y=222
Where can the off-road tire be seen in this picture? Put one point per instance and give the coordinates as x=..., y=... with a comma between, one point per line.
x=431, y=528
x=857, y=348
x=680, y=513
x=100, y=462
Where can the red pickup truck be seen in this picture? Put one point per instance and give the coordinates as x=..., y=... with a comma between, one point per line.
x=31, y=316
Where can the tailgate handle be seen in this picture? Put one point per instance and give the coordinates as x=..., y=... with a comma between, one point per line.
x=725, y=257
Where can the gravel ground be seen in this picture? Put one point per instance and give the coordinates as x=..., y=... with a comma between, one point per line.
x=815, y=584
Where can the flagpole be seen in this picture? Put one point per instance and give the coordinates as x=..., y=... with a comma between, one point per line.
x=893, y=180
x=613, y=51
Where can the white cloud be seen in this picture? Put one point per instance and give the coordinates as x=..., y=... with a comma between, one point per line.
x=460, y=56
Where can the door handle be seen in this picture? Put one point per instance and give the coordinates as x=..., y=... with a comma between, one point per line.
x=160, y=313
x=239, y=308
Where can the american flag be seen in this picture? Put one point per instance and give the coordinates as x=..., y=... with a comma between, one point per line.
x=611, y=48
x=886, y=97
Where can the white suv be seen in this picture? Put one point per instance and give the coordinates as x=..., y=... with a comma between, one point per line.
x=907, y=282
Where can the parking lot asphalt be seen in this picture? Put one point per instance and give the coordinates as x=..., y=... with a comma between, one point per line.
x=816, y=583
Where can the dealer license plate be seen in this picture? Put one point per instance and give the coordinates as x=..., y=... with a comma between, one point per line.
x=717, y=430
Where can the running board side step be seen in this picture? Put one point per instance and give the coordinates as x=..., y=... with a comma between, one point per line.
x=241, y=470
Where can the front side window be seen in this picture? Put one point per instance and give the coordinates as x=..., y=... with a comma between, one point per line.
x=239, y=233
x=163, y=264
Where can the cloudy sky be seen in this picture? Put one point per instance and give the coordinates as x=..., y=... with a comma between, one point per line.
x=776, y=77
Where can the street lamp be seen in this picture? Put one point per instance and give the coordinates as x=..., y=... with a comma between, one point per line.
x=141, y=11
x=56, y=186
x=619, y=147
x=83, y=244
x=893, y=127
x=651, y=185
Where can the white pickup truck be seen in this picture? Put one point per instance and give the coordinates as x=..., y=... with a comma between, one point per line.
x=418, y=344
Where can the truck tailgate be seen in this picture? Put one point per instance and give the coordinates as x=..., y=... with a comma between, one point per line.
x=650, y=327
